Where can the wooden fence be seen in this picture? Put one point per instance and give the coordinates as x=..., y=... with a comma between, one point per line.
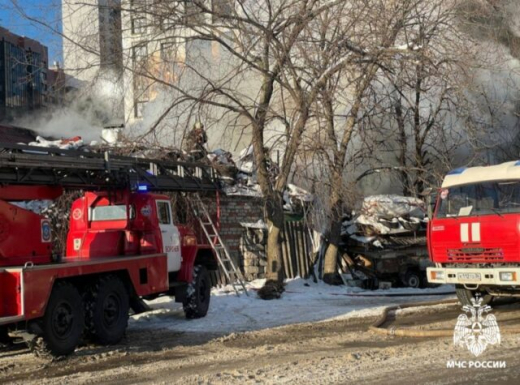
x=297, y=256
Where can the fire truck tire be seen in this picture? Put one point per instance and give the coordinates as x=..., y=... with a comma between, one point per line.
x=196, y=304
x=107, y=307
x=465, y=296
x=5, y=340
x=63, y=322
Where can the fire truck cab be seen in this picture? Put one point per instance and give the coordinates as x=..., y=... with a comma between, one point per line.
x=474, y=234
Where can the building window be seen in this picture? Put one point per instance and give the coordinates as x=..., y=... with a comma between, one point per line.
x=138, y=25
x=141, y=87
x=139, y=54
x=167, y=24
x=138, y=108
x=221, y=8
x=166, y=13
x=192, y=12
x=168, y=51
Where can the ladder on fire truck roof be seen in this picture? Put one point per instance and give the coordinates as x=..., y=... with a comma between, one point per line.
x=233, y=275
x=76, y=169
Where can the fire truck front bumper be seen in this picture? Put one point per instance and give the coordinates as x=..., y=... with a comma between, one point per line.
x=508, y=276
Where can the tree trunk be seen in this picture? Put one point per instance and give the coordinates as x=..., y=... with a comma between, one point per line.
x=336, y=174
x=275, y=225
x=330, y=270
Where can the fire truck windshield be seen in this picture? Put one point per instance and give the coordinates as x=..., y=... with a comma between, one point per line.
x=486, y=198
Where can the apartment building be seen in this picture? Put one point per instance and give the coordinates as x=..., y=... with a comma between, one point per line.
x=92, y=49
x=23, y=75
x=149, y=53
x=119, y=38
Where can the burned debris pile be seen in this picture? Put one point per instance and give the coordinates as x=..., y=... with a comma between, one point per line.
x=386, y=221
x=385, y=243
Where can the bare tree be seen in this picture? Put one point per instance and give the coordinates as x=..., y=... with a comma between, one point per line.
x=279, y=73
x=257, y=83
x=372, y=30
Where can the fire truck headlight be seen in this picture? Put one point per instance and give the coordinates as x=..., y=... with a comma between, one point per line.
x=189, y=240
x=507, y=276
x=437, y=275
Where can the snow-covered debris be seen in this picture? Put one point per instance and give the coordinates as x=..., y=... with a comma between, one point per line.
x=246, y=160
x=246, y=154
x=295, y=197
x=63, y=144
x=393, y=206
x=382, y=218
x=222, y=161
x=242, y=190
x=408, y=47
x=374, y=224
x=260, y=224
x=240, y=179
x=36, y=206
x=363, y=239
x=222, y=157
x=299, y=193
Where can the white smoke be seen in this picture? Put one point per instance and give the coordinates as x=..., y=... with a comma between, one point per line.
x=85, y=112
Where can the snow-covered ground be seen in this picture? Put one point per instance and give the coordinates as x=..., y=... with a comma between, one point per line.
x=303, y=301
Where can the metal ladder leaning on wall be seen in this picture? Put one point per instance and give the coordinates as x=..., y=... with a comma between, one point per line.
x=233, y=274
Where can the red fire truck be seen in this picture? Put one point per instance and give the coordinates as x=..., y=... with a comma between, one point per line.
x=122, y=245
x=474, y=234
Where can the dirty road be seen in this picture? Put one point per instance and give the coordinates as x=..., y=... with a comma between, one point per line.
x=335, y=351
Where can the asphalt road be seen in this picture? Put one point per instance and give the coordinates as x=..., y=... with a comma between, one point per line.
x=331, y=352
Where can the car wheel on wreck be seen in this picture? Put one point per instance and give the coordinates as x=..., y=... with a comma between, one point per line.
x=412, y=278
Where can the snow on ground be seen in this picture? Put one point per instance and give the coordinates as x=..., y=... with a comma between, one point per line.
x=303, y=301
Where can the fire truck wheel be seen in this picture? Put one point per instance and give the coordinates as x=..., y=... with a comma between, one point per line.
x=63, y=322
x=412, y=278
x=5, y=340
x=107, y=306
x=196, y=304
x=465, y=296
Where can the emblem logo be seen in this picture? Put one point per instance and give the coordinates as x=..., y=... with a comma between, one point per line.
x=76, y=214
x=146, y=211
x=476, y=332
x=46, y=231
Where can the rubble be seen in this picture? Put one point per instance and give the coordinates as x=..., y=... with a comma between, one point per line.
x=386, y=241
x=384, y=216
x=392, y=206
x=295, y=198
x=260, y=224
x=240, y=179
x=36, y=206
x=236, y=178
x=63, y=144
x=271, y=290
